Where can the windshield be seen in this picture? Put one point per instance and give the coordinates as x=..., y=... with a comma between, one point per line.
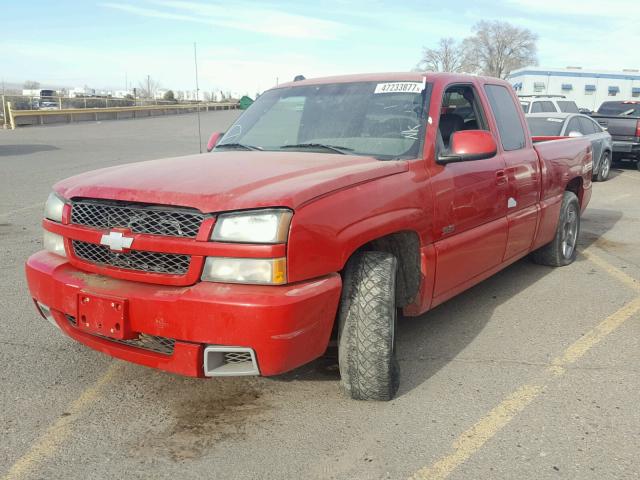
x=545, y=126
x=385, y=120
x=623, y=109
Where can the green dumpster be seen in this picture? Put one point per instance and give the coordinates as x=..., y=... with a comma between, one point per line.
x=245, y=102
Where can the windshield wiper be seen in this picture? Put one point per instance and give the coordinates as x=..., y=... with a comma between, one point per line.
x=241, y=146
x=333, y=148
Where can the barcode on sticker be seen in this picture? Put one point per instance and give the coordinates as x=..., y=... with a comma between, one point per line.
x=399, y=87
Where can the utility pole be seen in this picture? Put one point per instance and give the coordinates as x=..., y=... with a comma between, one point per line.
x=195, y=62
x=149, y=86
x=126, y=82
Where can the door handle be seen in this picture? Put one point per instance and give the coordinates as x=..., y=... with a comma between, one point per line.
x=501, y=177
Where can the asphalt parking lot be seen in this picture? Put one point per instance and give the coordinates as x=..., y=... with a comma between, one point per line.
x=534, y=373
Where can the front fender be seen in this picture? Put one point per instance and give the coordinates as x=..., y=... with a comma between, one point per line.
x=325, y=233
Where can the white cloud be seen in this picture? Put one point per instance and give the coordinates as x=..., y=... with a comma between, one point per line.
x=620, y=9
x=243, y=16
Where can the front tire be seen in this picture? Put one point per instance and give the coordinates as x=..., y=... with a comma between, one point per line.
x=367, y=327
x=605, y=168
x=562, y=249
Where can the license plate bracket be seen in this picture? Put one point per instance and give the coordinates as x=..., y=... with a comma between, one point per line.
x=104, y=315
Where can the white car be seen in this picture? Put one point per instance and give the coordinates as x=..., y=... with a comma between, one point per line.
x=541, y=104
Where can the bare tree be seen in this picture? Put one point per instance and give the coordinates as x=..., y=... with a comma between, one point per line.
x=31, y=85
x=496, y=48
x=449, y=56
x=147, y=87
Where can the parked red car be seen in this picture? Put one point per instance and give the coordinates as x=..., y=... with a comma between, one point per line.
x=326, y=208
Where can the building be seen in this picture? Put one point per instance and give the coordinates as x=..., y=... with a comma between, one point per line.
x=82, y=92
x=588, y=88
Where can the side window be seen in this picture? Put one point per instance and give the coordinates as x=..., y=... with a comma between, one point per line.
x=507, y=117
x=568, y=106
x=536, y=107
x=548, y=106
x=596, y=126
x=461, y=110
x=587, y=126
x=574, y=126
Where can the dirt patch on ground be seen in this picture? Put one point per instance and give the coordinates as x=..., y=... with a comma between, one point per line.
x=203, y=419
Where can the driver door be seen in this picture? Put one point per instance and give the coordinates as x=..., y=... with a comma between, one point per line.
x=470, y=226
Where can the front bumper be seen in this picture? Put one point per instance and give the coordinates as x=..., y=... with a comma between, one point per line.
x=286, y=326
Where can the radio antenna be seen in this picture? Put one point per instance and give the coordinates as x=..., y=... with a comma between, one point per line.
x=195, y=61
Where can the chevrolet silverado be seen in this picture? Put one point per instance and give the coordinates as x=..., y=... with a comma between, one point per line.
x=327, y=209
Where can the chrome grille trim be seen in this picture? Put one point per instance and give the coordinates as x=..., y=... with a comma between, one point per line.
x=139, y=218
x=136, y=260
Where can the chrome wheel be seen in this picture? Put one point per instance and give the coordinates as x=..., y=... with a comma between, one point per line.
x=570, y=232
x=606, y=167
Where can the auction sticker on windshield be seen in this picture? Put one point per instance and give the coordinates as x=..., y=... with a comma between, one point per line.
x=396, y=87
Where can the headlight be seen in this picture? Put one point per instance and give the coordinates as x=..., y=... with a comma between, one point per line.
x=54, y=243
x=256, y=226
x=265, y=271
x=53, y=208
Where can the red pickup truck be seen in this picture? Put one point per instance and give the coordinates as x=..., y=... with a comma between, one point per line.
x=327, y=208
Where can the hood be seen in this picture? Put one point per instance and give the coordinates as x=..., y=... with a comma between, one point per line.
x=224, y=181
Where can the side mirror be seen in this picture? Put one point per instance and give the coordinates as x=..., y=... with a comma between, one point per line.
x=213, y=140
x=467, y=145
x=573, y=133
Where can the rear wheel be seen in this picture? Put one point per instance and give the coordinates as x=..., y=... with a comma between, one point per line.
x=604, y=169
x=367, y=327
x=562, y=249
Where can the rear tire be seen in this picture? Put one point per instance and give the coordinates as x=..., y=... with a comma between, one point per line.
x=367, y=324
x=604, y=169
x=562, y=249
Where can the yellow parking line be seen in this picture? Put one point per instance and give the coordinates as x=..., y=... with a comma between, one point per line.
x=472, y=440
x=46, y=446
x=613, y=271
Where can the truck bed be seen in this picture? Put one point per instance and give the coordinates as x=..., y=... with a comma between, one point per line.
x=561, y=157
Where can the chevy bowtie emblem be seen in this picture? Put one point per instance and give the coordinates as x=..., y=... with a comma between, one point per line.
x=116, y=241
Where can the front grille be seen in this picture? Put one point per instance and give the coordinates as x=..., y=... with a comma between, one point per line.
x=168, y=263
x=149, y=219
x=162, y=345
x=153, y=343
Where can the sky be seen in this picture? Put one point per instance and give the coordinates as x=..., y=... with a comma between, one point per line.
x=247, y=46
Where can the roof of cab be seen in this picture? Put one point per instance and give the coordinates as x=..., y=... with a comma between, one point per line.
x=390, y=77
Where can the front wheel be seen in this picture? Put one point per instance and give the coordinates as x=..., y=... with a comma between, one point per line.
x=367, y=327
x=605, y=167
x=562, y=249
